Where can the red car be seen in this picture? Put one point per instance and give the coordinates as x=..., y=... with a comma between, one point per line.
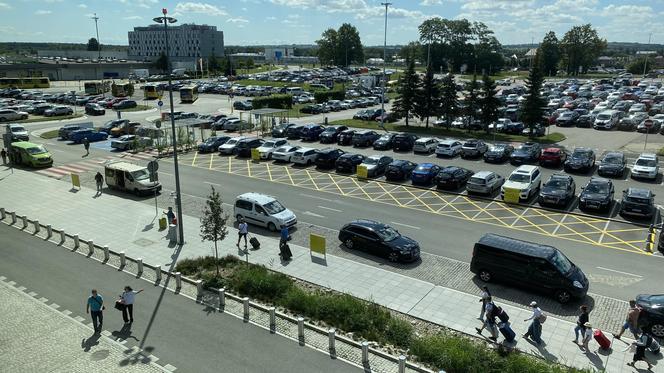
x=110, y=103
x=552, y=157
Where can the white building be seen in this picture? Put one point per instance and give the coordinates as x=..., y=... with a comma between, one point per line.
x=187, y=42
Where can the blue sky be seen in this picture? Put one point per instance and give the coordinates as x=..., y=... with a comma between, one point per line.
x=250, y=22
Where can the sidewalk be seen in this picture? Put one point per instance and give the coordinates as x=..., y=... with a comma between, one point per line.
x=38, y=337
x=125, y=225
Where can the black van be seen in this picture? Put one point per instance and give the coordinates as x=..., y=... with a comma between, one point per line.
x=530, y=265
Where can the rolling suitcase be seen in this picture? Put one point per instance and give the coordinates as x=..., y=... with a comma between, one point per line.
x=507, y=331
x=285, y=252
x=254, y=243
x=601, y=339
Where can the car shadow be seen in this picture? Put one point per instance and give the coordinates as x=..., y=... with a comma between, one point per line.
x=380, y=261
x=656, y=181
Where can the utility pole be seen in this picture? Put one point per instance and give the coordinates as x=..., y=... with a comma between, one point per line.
x=382, y=96
x=645, y=63
x=95, y=18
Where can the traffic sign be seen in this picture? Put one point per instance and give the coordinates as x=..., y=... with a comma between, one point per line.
x=153, y=166
x=160, y=103
x=648, y=123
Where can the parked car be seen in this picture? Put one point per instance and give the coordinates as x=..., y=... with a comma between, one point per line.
x=646, y=167
x=528, y=152
x=125, y=128
x=77, y=136
x=10, y=115
x=424, y=173
x=581, y=160
x=449, y=148
x=41, y=108
x=331, y=133
x=244, y=146
x=294, y=132
x=567, y=119
x=268, y=147
x=58, y=111
x=311, y=132
x=376, y=165
x=384, y=142
x=404, y=142
x=17, y=132
x=651, y=316
x=237, y=125
x=558, y=191
x=498, y=153
x=229, y=146
x=128, y=142
x=364, y=138
x=281, y=130
x=126, y=104
x=612, y=164
x=379, y=239
x=304, y=156
x=526, y=179
x=327, y=157
x=94, y=109
x=552, y=157
x=638, y=202
x=242, y=105
x=347, y=163
x=452, y=177
x=597, y=195
x=285, y=153
x=399, y=170
x=211, y=144
x=473, y=148
x=484, y=182
x=346, y=137
x=108, y=126
x=425, y=145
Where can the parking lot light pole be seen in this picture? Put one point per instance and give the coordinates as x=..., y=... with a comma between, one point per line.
x=178, y=196
x=95, y=18
x=382, y=96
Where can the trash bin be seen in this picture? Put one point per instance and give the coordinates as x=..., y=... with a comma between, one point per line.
x=172, y=233
x=162, y=224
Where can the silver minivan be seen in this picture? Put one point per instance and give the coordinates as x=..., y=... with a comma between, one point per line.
x=263, y=210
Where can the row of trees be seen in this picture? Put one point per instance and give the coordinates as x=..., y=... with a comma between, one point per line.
x=340, y=47
x=575, y=53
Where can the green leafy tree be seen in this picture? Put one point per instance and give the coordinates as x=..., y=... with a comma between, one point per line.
x=93, y=45
x=489, y=103
x=161, y=63
x=581, y=46
x=340, y=47
x=471, y=99
x=413, y=50
x=327, y=46
x=213, y=222
x=636, y=67
x=449, y=99
x=213, y=64
x=550, y=54
x=407, y=86
x=532, y=111
x=428, y=98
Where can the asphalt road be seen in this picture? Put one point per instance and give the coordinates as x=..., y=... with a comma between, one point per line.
x=173, y=328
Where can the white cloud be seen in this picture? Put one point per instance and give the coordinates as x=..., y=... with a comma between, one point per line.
x=271, y=18
x=200, y=8
x=53, y=1
x=237, y=20
x=82, y=6
x=132, y=18
x=430, y=2
x=43, y=12
x=5, y=6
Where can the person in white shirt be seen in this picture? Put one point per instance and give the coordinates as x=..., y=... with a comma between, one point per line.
x=127, y=298
x=535, y=328
x=587, y=335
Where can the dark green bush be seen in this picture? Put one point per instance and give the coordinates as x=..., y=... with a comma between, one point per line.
x=199, y=265
x=273, y=101
x=259, y=283
x=213, y=282
x=399, y=332
x=324, y=96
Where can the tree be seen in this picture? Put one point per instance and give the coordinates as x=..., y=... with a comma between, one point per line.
x=532, y=111
x=449, y=99
x=213, y=222
x=406, y=90
x=428, y=98
x=161, y=63
x=471, y=100
x=636, y=67
x=489, y=103
x=93, y=44
x=581, y=46
x=340, y=47
x=213, y=63
x=412, y=51
x=550, y=54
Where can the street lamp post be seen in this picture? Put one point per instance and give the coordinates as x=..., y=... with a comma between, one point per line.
x=178, y=196
x=382, y=96
x=103, y=91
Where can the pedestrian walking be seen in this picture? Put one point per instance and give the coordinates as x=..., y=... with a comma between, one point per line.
x=3, y=153
x=95, y=307
x=486, y=294
x=587, y=335
x=580, y=328
x=170, y=215
x=631, y=321
x=243, y=230
x=127, y=298
x=86, y=144
x=640, y=353
x=285, y=235
x=489, y=321
x=100, y=181
x=535, y=328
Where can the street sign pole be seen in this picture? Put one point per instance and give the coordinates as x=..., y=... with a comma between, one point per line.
x=648, y=124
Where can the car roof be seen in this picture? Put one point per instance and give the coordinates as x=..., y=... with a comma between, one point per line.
x=256, y=197
x=516, y=246
x=483, y=174
x=425, y=139
x=582, y=150
x=648, y=156
x=367, y=223
x=302, y=150
x=447, y=142
x=426, y=165
x=599, y=180
x=399, y=162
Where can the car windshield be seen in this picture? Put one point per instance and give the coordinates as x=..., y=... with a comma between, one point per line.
x=388, y=234
x=520, y=178
x=330, y=130
x=557, y=184
x=211, y=140
x=476, y=180
x=274, y=207
x=561, y=262
x=268, y=144
x=371, y=161
x=36, y=150
x=232, y=141
x=497, y=148
x=613, y=160
x=602, y=188
x=646, y=162
x=470, y=145
x=603, y=117
x=141, y=174
x=580, y=155
x=656, y=299
x=641, y=200
x=17, y=129
x=443, y=145
x=385, y=137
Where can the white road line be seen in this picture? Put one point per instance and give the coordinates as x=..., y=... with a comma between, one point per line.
x=405, y=225
x=317, y=197
x=560, y=223
x=624, y=273
x=208, y=182
x=328, y=208
x=314, y=214
x=615, y=205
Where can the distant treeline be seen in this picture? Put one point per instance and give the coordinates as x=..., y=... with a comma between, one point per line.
x=32, y=48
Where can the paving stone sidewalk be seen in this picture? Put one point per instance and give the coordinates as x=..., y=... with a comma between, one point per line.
x=125, y=225
x=36, y=337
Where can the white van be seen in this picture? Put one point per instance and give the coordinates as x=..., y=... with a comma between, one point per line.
x=294, y=91
x=263, y=210
x=130, y=177
x=607, y=119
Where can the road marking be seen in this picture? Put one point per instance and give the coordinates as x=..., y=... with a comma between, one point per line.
x=405, y=225
x=606, y=226
x=624, y=273
x=317, y=197
x=211, y=183
x=328, y=208
x=560, y=224
x=314, y=214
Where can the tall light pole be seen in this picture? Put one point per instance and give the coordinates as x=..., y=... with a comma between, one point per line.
x=382, y=96
x=645, y=63
x=178, y=196
x=95, y=18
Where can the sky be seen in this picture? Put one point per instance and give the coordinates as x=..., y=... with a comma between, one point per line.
x=256, y=22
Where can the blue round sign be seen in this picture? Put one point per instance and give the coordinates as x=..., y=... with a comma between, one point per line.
x=160, y=103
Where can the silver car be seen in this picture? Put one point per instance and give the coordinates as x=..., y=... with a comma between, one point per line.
x=484, y=182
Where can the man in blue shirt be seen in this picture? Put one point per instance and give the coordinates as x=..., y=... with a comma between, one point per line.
x=95, y=307
x=284, y=235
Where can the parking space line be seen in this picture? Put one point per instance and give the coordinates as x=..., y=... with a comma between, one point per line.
x=269, y=171
x=289, y=175
x=248, y=168
x=211, y=159
x=193, y=161
x=230, y=160
x=336, y=184
x=312, y=180
x=607, y=223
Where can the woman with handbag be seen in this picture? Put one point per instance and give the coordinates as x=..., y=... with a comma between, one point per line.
x=127, y=301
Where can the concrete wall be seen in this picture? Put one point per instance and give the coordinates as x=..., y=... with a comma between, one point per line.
x=70, y=71
x=82, y=54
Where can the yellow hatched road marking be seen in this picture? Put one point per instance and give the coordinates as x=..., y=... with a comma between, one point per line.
x=360, y=187
x=312, y=180
x=230, y=160
x=269, y=171
x=211, y=159
x=289, y=175
x=337, y=185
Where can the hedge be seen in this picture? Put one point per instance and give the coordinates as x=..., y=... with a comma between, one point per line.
x=324, y=96
x=273, y=101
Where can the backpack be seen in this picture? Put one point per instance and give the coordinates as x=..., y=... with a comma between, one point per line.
x=542, y=318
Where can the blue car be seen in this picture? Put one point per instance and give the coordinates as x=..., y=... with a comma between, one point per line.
x=424, y=174
x=92, y=135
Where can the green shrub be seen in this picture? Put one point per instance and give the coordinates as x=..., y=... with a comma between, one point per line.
x=273, y=101
x=213, y=282
x=451, y=354
x=299, y=301
x=188, y=266
x=399, y=332
x=259, y=283
x=229, y=261
x=324, y=96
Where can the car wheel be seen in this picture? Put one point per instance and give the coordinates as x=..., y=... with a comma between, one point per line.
x=393, y=257
x=271, y=227
x=563, y=296
x=349, y=243
x=657, y=330
x=137, y=192
x=485, y=275
x=3, y=119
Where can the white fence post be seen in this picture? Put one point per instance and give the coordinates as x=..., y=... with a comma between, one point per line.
x=157, y=272
x=37, y=226
x=402, y=364
x=123, y=259
x=199, y=288
x=300, y=329
x=273, y=319
x=49, y=231
x=76, y=241
x=91, y=247
x=63, y=236
x=13, y=214
x=365, y=353
x=222, y=299
x=332, y=339
x=25, y=221
x=245, y=302
x=178, y=280
x=139, y=270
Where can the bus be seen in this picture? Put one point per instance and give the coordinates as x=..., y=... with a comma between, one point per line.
x=122, y=89
x=97, y=88
x=188, y=94
x=24, y=83
x=151, y=91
